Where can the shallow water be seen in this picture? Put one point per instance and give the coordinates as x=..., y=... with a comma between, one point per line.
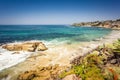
x=50, y=33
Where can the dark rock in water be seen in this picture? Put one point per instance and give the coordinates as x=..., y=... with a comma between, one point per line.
x=113, y=61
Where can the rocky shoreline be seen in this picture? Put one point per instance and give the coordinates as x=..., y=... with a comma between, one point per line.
x=14, y=53
x=25, y=46
x=45, y=61
x=113, y=24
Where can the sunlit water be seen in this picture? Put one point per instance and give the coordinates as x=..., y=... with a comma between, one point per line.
x=12, y=33
x=49, y=34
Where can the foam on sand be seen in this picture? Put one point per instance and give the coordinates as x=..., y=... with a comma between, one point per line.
x=8, y=58
x=56, y=54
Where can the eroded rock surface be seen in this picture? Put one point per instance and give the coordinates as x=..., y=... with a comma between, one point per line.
x=26, y=46
x=42, y=73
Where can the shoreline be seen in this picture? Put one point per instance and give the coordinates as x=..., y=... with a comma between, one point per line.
x=112, y=24
x=61, y=54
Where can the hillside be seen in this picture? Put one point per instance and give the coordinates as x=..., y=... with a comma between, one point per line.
x=114, y=24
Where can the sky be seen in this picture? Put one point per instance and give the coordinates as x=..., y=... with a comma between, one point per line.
x=57, y=11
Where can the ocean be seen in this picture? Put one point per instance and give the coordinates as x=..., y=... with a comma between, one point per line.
x=50, y=33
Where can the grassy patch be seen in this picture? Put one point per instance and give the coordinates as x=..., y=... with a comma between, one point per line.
x=65, y=73
x=92, y=66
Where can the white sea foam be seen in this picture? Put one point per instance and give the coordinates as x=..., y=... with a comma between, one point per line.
x=8, y=59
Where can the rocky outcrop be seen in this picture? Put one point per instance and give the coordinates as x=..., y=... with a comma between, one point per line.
x=42, y=73
x=114, y=24
x=26, y=46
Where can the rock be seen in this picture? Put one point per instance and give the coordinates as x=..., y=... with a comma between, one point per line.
x=27, y=46
x=55, y=66
x=8, y=47
x=17, y=47
x=27, y=76
x=113, y=61
x=71, y=77
x=41, y=47
x=42, y=73
x=49, y=67
x=41, y=68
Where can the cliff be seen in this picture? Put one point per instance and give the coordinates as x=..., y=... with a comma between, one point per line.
x=114, y=24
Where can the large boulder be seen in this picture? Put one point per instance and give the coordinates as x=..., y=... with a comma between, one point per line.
x=26, y=46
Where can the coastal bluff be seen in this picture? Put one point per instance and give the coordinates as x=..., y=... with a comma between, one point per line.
x=113, y=24
x=25, y=46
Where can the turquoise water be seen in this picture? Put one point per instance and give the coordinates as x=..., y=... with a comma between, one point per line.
x=11, y=33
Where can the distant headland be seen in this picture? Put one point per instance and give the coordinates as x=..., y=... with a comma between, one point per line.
x=113, y=24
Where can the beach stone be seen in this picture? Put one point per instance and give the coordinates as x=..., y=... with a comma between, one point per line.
x=26, y=46
x=71, y=77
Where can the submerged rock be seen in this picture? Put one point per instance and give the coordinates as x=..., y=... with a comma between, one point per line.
x=27, y=46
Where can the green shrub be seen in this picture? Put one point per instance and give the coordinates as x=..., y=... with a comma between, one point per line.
x=88, y=72
x=65, y=73
x=117, y=47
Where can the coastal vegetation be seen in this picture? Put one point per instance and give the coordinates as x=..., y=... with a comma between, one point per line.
x=96, y=63
x=114, y=24
x=101, y=64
